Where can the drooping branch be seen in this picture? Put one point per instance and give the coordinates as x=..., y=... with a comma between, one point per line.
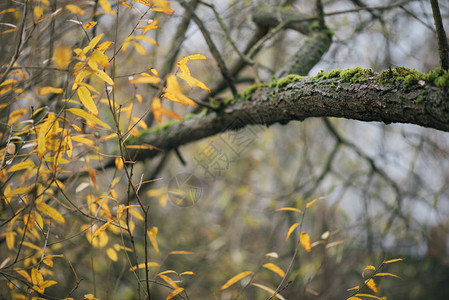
x=299, y=98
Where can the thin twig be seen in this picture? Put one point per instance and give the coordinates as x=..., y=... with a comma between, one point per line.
x=443, y=48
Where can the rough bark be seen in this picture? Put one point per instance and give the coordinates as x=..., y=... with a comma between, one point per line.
x=422, y=104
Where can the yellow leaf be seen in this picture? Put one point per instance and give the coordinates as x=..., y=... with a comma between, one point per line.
x=309, y=204
x=38, y=11
x=387, y=274
x=193, y=81
x=48, y=89
x=275, y=269
x=187, y=273
x=368, y=267
x=163, y=6
x=150, y=26
x=304, y=239
x=182, y=63
x=105, y=77
x=89, y=25
x=156, y=106
x=16, y=115
x=62, y=56
x=112, y=254
x=290, y=230
x=269, y=290
x=24, y=274
x=104, y=46
x=136, y=214
x=83, y=140
x=74, y=9
x=174, y=293
x=9, y=30
x=180, y=252
x=354, y=298
x=353, y=288
x=86, y=99
x=139, y=48
x=372, y=285
x=93, y=43
x=142, y=265
x=102, y=229
x=145, y=79
x=36, y=277
x=289, y=209
x=51, y=212
x=368, y=296
x=144, y=2
x=8, y=10
x=27, y=164
x=152, y=233
x=235, y=279
x=106, y=6
x=168, y=280
x=88, y=117
x=173, y=92
x=393, y=260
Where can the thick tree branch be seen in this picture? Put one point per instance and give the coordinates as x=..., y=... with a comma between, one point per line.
x=298, y=98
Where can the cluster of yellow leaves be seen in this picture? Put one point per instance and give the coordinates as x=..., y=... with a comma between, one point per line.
x=370, y=283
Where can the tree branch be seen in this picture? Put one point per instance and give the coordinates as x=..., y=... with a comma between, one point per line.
x=299, y=98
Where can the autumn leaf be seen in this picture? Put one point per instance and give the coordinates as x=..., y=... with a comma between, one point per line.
x=289, y=209
x=89, y=25
x=182, y=63
x=272, y=267
x=88, y=117
x=174, y=293
x=142, y=265
x=309, y=204
x=371, y=285
x=290, y=230
x=152, y=233
x=27, y=164
x=393, y=260
x=62, y=56
x=150, y=26
x=86, y=99
x=368, y=267
x=112, y=254
x=51, y=212
x=386, y=274
x=193, y=81
x=235, y=279
x=101, y=229
x=173, y=92
x=168, y=280
x=304, y=239
x=74, y=9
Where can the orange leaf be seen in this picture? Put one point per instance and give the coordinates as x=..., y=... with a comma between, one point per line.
x=368, y=267
x=275, y=269
x=309, y=204
x=235, y=279
x=393, y=260
x=372, y=285
x=387, y=274
x=289, y=209
x=174, y=293
x=142, y=265
x=304, y=239
x=89, y=25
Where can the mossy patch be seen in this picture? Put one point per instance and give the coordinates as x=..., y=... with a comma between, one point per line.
x=409, y=77
x=246, y=94
x=353, y=75
x=286, y=80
